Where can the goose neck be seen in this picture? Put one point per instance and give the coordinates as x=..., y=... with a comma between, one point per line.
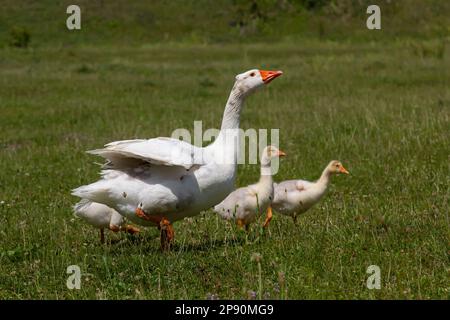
x=266, y=173
x=325, y=177
x=232, y=113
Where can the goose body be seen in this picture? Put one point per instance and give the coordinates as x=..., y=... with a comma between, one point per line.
x=243, y=204
x=294, y=197
x=174, y=191
x=297, y=196
x=165, y=179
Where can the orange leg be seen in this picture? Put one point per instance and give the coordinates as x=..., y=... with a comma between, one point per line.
x=127, y=228
x=153, y=218
x=268, y=217
x=164, y=225
x=131, y=229
x=241, y=224
x=167, y=234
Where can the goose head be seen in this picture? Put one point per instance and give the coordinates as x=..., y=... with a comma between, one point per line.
x=336, y=167
x=269, y=153
x=250, y=80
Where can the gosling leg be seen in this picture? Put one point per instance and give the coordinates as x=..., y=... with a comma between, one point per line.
x=268, y=217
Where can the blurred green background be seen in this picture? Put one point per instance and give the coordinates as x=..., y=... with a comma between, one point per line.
x=222, y=21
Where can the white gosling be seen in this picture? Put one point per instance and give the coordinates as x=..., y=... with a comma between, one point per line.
x=102, y=217
x=294, y=197
x=158, y=181
x=243, y=204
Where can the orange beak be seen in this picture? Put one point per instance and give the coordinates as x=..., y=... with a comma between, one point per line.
x=281, y=153
x=268, y=76
x=343, y=170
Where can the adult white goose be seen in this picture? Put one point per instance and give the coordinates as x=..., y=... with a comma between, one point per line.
x=243, y=204
x=102, y=217
x=158, y=181
x=294, y=197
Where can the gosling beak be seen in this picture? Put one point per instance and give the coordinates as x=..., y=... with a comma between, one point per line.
x=281, y=153
x=343, y=170
x=268, y=76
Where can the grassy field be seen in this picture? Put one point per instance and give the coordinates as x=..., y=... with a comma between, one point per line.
x=379, y=101
x=383, y=110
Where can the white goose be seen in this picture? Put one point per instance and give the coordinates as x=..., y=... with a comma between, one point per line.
x=294, y=197
x=245, y=203
x=102, y=217
x=158, y=181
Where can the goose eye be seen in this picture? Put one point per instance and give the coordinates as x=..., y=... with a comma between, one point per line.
x=252, y=74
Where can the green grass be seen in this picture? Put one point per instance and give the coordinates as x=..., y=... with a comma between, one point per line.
x=221, y=21
x=383, y=110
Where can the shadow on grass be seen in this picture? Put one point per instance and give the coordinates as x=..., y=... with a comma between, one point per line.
x=207, y=245
x=148, y=242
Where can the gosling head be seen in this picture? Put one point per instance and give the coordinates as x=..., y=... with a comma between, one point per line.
x=269, y=153
x=336, y=167
x=251, y=80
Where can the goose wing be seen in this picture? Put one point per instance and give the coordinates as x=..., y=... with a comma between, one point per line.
x=158, y=151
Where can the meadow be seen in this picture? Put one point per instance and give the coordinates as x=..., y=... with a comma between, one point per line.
x=379, y=101
x=382, y=109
